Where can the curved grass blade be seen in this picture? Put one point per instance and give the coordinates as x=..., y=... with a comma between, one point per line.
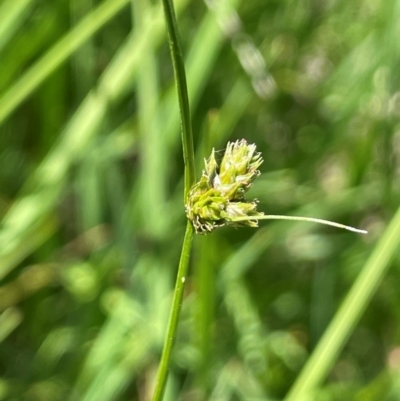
x=342, y=325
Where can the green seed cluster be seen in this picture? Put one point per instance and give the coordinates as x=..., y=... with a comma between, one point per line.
x=218, y=198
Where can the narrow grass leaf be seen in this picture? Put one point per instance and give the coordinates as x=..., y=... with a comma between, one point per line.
x=342, y=325
x=58, y=54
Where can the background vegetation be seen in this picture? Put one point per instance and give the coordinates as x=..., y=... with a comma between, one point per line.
x=91, y=190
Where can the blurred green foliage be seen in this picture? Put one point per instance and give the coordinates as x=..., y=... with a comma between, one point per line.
x=91, y=187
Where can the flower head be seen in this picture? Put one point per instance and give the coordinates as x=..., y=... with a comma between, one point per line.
x=218, y=198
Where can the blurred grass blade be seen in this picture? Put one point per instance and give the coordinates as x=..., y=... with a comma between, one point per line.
x=57, y=55
x=20, y=241
x=12, y=15
x=336, y=335
x=104, y=375
x=249, y=326
x=83, y=61
x=220, y=123
x=152, y=181
x=47, y=181
x=9, y=321
x=204, y=261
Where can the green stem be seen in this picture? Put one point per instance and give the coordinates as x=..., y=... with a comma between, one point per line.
x=174, y=315
x=190, y=178
x=181, y=86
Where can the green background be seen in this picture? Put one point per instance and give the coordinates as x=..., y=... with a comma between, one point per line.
x=91, y=200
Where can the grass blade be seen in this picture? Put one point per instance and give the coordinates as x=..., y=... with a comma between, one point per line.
x=336, y=335
x=58, y=54
x=12, y=13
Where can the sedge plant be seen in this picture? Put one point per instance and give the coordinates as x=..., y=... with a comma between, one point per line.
x=216, y=200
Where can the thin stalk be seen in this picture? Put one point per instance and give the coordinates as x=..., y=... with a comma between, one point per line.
x=152, y=173
x=190, y=177
x=299, y=218
x=181, y=86
x=174, y=315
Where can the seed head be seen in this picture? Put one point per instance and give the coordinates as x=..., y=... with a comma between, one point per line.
x=218, y=198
